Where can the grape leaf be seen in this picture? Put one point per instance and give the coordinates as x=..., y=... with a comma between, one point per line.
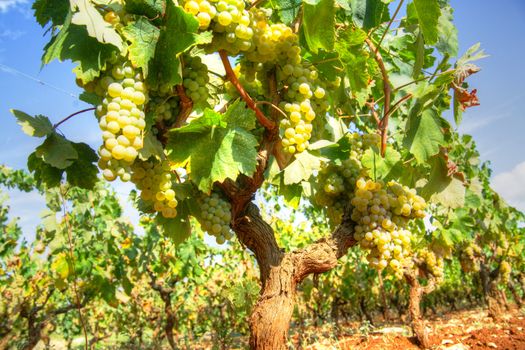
x=51, y=10
x=143, y=37
x=214, y=151
x=238, y=115
x=178, y=34
x=423, y=134
x=302, y=168
x=73, y=42
x=442, y=188
x=57, y=151
x=83, y=172
x=354, y=57
x=178, y=228
x=369, y=13
x=37, y=126
x=384, y=168
x=447, y=33
x=87, y=15
x=286, y=9
x=319, y=25
x=151, y=147
x=147, y=8
x=427, y=13
x=61, y=266
x=43, y=172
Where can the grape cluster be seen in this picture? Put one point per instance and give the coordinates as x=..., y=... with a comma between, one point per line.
x=154, y=180
x=229, y=20
x=195, y=74
x=381, y=212
x=505, y=270
x=469, y=258
x=215, y=217
x=433, y=262
x=121, y=119
x=337, y=180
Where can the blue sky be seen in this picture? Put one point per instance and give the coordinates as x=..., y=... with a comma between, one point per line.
x=497, y=125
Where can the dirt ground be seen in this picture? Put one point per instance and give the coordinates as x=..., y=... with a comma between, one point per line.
x=461, y=330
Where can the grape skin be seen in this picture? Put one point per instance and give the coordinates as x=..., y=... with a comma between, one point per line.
x=215, y=217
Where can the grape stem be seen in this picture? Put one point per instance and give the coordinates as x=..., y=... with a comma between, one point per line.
x=389, y=24
x=186, y=105
x=72, y=115
x=387, y=91
x=230, y=75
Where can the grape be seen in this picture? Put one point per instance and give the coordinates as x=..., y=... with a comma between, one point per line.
x=229, y=20
x=196, y=78
x=121, y=119
x=215, y=216
x=154, y=179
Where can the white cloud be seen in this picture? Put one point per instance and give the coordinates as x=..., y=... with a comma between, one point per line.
x=6, y=5
x=511, y=186
x=10, y=34
x=472, y=124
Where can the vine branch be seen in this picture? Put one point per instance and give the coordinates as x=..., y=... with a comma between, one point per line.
x=387, y=91
x=230, y=74
x=186, y=106
x=71, y=116
x=389, y=24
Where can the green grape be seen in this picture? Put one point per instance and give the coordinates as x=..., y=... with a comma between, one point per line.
x=121, y=119
x=229, y=20
x=154, y=179
x=215, y=216
x=195, y=74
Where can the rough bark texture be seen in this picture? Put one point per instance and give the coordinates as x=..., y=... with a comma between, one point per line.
x=281, y=273
x=490, y=290
x=414, y=308
x=515, y=294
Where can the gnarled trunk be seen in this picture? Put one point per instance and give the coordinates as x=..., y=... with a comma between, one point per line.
x=282, y=272
x=414, y=308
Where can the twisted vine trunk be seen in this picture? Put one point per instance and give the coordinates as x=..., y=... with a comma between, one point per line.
x=414, y=308
x=281, y=273
x=490, y=290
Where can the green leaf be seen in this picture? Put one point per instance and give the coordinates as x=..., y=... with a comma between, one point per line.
x=319, y=25
x=50, y=10
x=354, y=57
x=85, y=14
x=91, y=98
x=423, y=134
x=381, y=168
x=178, y=228
x=147, y=8
x=369, y=13
x=291, y=193
x=441, y=188
x=286, y=9
x=83, y=172
x=214, y=152
x=143, y=37
x=447, y=33
x=428, y=12
x=177, y=34
x=38, y=126
x=238, y=115
x=151, y=147
x=73, y=42
x=43, y=172
x=301, y=168
x=61, y=266
x=473, y=53
x=57, y=151
x=420, y=56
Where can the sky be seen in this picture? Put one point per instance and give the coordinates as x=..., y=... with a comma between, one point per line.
x=497, y=125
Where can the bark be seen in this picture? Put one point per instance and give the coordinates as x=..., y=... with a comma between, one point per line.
x=515, y=295
x=384, y=306
x=414, y=308
x=490, y=290
x=4, y=341
x=364, y=310
x=282, y=272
